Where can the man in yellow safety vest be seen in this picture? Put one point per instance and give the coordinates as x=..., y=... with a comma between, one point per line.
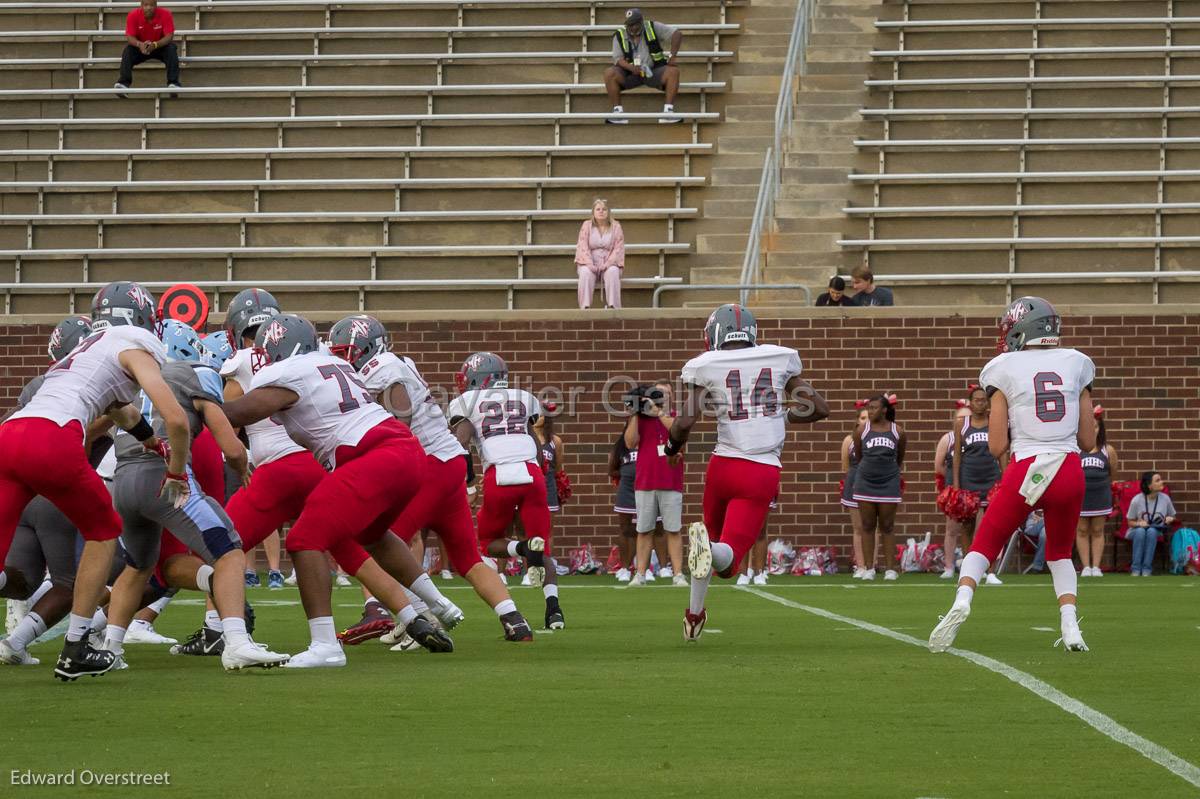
x=639, y=59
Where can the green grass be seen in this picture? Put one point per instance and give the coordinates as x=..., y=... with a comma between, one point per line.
x=778, y=703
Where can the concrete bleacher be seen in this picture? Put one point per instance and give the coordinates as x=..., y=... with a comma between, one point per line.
x=1020, y=138
x=366, y=141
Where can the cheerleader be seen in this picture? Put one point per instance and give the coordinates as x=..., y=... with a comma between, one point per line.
x=1099, y=465
x=879, y=449
x=943, y=467
x=850, y=469
x=975, y=468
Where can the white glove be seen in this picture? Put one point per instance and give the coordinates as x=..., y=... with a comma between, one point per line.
x=175, y=489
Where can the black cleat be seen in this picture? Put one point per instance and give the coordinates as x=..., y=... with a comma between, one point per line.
x=204, y=642
x=248, y=612
x=428, y=636
x=554, y=618
x=79, y=659
x=515, y=627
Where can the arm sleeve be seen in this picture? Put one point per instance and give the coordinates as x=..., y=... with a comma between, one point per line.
x=535, y=407
x=690, y=372
x=794, y=366
x=211, y=384
x=1087, y=371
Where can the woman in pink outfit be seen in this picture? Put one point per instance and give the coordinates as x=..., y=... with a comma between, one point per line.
x=600, y=256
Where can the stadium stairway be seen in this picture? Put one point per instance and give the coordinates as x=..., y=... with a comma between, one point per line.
x=802, y=245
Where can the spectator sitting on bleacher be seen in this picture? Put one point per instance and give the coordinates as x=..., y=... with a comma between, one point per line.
x=836, y=295
x=638, y=59
x=600, y=256
x=149, y=31
x=866, y=293
x=1150, y=515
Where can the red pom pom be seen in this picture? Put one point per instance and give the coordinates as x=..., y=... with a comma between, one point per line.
x=563, y=480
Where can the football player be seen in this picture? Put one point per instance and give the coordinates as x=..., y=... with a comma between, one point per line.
x=374, y=465
x=198, y=521
x=1041, y=398
x=500, y=420
x=42, y=448
x=441, y=503
x=754, y=389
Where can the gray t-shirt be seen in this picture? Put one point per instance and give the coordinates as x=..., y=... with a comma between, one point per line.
x=1152, y=510
x=184, y=382
x=30, y=389
x=879, y=297
x=641, y=49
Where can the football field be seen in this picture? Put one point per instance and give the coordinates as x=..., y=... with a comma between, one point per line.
x=806, y=687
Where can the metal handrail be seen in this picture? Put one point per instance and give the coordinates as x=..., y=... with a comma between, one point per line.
x=1005, y=278
x=769, y=182
x=716, y=286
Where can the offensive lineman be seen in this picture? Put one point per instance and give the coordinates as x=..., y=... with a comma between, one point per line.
x=500, y=420
x=1041, y=393
x=752, y=388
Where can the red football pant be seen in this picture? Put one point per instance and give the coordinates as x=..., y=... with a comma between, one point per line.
x=737, y=498
x=1061, y=503
x=39, y=457
x=501, y=504
x=275, y=496
x=373, y=482
x=441, y=505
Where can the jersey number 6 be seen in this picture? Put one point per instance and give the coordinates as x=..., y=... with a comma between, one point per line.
x=1049, y=403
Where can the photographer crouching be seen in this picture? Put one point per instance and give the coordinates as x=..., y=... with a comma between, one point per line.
x=658, y=486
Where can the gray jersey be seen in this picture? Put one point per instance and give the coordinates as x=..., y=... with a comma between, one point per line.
x=30, y=389
x=184, y=381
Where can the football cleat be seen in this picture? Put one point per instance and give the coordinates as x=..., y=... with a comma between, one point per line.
x=537, y=563
x=290, y=579
x=942, y=637
x=428, y=636
x=205, y=642
x=376, y=621
x=15, y=610
x=891, y=575
x=448, y=613
x=252, y=580
x=992, y=579
x=446, y=575
x=248, y=615
x=78, y=659
x=144, y=633
x=405, y=642
x=693, y=624
x=699, y=553
x=555, y=619
x=11, y=656
x=515, y=627
x=318, y=656
x=743, y=579
x=250, y=655
x=274, y=580
x=1072, y=638
x=760, y=578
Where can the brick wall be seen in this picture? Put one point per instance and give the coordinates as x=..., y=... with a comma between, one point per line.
x=1147, y=379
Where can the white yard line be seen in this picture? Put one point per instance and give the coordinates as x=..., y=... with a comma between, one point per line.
x=1093, y=718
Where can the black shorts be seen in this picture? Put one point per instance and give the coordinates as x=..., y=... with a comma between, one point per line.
x=631, y=80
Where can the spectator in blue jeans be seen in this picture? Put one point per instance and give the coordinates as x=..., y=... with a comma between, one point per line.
x=1035, y=525
x=1150, y=514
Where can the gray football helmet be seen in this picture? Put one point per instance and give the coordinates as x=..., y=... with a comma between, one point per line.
x=358, y=339
x=730, y=323
x=66, y=336
x=248, y=309
x=1029, y=321
x=283, y=336
x=482, y=370
x=124, y=303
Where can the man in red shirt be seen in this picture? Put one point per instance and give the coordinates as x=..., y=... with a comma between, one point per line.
x=658, y=486
x=149, y=31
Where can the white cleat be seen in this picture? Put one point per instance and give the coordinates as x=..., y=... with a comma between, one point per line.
x=948, y=574
x=525, y=581
x=446, y=575
x=693, y=624
x=251, y=655
x=536, y=574
x=649, y=576
x=406, y=643
x=868, y=574
x=318, y=656
x=666, y=572
x=1072, y=638
x=637, y=581
x=15, y=610
x=992, y=579
x=623, y=575
x=679, y=581
x=448, y=613
x=11, y=656
x=290, y=579
x=342, y=581
x=760, y=578
x=393, y=636
x=699, y=553
x=743, y=579
x=144, y=633
x=857, y=573
x=942, y=637
x=891, y=576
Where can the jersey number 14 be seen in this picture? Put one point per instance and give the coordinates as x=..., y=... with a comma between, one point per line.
x=763, y=396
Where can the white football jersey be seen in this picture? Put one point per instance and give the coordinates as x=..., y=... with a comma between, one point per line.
x=269, y=441
x=88, y=382
x=500, y=417
x=428, y=423
x=746, y=387
x=335, y=409
x=1042, y=388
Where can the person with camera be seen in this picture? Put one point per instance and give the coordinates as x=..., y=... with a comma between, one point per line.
x=658, y=486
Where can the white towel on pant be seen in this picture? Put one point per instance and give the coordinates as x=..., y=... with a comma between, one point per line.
x=513, y=474
x=1040, y=475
